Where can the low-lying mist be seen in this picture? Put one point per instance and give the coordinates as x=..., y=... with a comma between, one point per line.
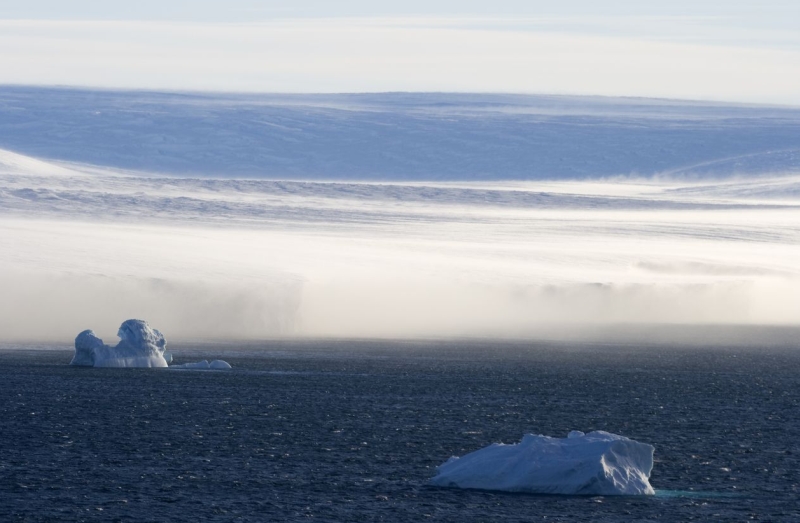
x=221, y=283
x=247, y=259
x=38, y=308
x=51, y=307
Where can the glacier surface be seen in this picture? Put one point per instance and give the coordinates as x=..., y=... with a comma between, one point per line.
x=396, y=136
x=594, y=464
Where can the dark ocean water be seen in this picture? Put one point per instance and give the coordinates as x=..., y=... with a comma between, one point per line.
x=341, y=431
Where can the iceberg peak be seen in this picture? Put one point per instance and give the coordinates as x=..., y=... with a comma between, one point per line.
x=85, y=345
x=139, y=335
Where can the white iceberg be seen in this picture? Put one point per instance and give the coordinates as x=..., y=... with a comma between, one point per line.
x=593, y=464
x=140, y=346
x=85, y=345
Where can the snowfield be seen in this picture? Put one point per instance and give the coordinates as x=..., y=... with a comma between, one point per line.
x=229, y=257
x=397, y=136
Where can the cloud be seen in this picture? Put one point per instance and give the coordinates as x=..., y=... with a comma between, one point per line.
x=359, y=55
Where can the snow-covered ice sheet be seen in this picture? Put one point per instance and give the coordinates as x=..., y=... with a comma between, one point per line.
x=397, y=136
x=593, y=464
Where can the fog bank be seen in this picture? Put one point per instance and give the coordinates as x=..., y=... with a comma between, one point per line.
x=250, y=259
x=198, y=282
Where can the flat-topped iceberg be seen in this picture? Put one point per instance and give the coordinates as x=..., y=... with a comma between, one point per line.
x=140, y=345
x=593, y=464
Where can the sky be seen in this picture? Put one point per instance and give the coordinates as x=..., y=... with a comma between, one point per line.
x=729, y=51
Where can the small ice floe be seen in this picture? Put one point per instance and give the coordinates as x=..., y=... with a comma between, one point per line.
x=593, y=464
x=203, y=365
x=140, y=345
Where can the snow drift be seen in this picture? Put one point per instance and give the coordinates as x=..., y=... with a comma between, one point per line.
x=594, y=464
x=140, y=345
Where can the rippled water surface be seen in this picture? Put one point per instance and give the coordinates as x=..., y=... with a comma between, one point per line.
x=341, y=431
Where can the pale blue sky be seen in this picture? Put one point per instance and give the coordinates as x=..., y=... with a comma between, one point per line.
x=775, y=11
x=730, y=50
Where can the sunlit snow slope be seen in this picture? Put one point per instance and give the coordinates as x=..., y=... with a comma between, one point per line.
x=397, y=136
